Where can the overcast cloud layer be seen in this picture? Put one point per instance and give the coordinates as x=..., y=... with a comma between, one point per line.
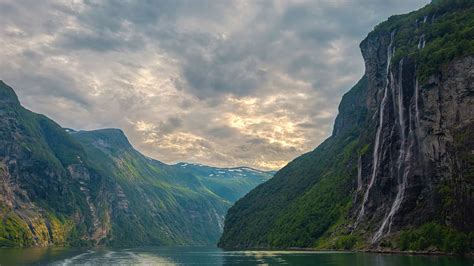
x=223, y=83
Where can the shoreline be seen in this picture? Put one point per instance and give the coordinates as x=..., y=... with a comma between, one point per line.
x=375, y=251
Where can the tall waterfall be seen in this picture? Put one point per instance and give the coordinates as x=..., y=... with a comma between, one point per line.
x=376, y=153
x=402, y=171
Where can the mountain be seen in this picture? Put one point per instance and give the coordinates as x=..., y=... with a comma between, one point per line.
x=65, y=187
x=228, y=183
x=397, y=173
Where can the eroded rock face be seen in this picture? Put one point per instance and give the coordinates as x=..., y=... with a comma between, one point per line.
x=27, y=181
x=423, y=130
x=445, y=143
x=99, y=227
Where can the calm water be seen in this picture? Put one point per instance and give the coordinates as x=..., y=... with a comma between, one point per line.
x=211, y=256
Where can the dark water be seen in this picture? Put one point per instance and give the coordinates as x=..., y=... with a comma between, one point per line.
x=212, y=256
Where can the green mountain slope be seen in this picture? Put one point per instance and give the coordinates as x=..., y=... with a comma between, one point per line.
x=40, y=202
x=396, y=165
x=65, y=187
x=303, y=199
x=152, y=202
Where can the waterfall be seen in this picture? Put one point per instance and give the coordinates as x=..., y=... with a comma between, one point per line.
x=425, y=18
x=395, y=206
x=417, y=110
x=404, y=179
x=422, y=42
x=401, y=109
x=402, y=172
x=359, y=173
x=378, y=134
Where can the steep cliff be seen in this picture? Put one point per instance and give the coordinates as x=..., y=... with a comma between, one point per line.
x=399, y=163
x=41, y=201
x=62, y=187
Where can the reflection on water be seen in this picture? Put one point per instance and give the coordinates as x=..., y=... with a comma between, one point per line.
x=212, y=256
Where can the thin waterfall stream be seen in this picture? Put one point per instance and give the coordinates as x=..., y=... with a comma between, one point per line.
x=379, y=132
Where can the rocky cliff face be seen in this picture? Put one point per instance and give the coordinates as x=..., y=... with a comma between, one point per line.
x=422, y=138
x=400, y=158
x=35, y=179
x=62, y=187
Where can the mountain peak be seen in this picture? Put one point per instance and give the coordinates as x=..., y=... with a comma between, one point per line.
x=7, y=95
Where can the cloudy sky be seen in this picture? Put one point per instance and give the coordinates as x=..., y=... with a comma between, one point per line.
x=220, y=82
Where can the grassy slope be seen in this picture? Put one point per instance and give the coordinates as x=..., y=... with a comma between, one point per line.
x=158, y=194
x=300, y=202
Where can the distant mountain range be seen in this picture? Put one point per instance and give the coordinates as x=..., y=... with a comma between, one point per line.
x=65, y=187
x=228, y=183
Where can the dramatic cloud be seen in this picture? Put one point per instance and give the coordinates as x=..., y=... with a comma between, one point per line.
x=223, y=83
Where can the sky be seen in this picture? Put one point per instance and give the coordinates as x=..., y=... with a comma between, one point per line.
x=224, y=83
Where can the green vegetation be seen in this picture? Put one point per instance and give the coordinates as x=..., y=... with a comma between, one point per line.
x=435, y=236
x=94, y=188
x=156, y=200
x=448, y=36
x=314, y=212
x=228, y=183
x=14, y=232
x=345, y=242
x=301, y=202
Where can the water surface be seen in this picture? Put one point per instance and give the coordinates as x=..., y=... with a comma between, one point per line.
x=213, y=256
